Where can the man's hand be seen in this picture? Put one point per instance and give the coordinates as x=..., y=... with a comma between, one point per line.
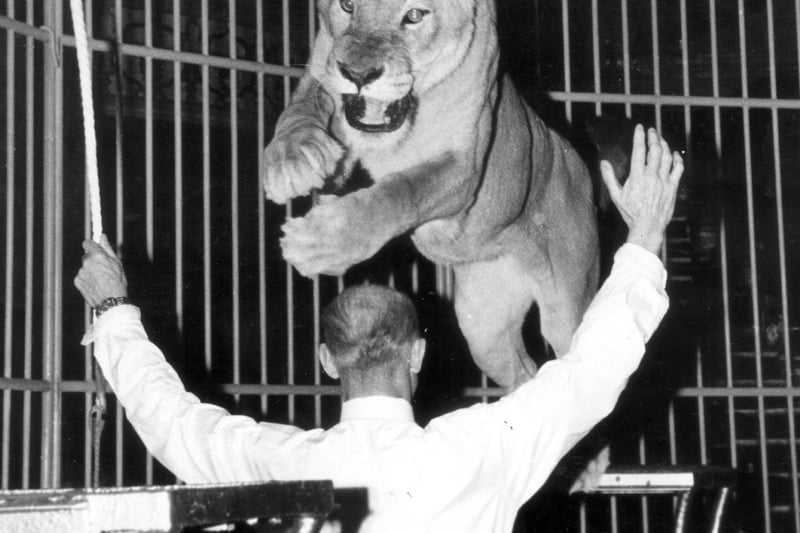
x=647, y=200
x=101, y=275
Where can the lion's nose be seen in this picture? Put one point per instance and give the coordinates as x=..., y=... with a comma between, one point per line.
x=360, y=78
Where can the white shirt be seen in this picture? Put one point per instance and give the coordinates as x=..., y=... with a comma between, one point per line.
x=469, y=470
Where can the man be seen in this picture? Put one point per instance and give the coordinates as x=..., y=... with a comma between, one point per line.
x=469, y=470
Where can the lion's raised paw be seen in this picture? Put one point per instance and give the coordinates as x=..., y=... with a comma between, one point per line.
x=332, y=237
x=298, y=163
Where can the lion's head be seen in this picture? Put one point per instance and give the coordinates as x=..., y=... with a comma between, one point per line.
x=381, y=56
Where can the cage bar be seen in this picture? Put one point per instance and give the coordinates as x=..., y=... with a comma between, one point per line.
x=754, y=267
x=776, y=151
x=9, y=237
x=262, y=253
x=727, y=377
x=206, y=193
x=29, y=181
x=234, y=147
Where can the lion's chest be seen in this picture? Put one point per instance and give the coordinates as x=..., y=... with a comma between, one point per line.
x=444, y=241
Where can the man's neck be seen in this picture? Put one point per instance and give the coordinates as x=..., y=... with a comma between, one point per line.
x=388, y=388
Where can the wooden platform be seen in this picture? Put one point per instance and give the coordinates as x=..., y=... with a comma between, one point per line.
x=663, y=479
x=704, y=492
x=302, y=505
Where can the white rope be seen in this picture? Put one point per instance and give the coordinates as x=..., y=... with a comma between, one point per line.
x=97, y=412
x=90, y=141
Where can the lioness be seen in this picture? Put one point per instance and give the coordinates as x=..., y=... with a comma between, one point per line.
x=410, y=91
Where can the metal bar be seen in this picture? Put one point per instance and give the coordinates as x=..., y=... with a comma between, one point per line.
x=48, y=195
x=739, y=392
x=673, y=454
x=190, y=58
x=290, y=390
x=317, y=309
x=722, y=237
x=10, y=212
x=612, y=502
x=87, y=317
x=656, y=59
x=29, y=227
x=683, y=392
x=119, y=197
x=119, y=448
x=234, y=198
x=287, y=88
x=626, y=54
x=673, y=457
x=87, y=367
x=675, y=100
x=582, y=516
x=23, y=28
x=262, y=248
x=315, y=354
x=206, y=193
x=312, y=23
x=51, y=157
x=567, y=58
x=598, y=80
x=73, y=386
x=58, y=291
x=701, y=411
x=751, y=233
x=177, y=128
x=643, y=499
x=118, y=131
x=148, y=130
x=782, y=261
x=687, y=119
x=243, y=389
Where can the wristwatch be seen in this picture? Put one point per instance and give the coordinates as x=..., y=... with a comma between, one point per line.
x=108, y=303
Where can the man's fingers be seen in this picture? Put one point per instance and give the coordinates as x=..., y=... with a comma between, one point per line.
x=653, y=150
x=610, y=179
x=666, y=160
x=639, y=150
x=677, y=168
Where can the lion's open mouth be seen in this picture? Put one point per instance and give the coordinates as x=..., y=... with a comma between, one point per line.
x=375, y=116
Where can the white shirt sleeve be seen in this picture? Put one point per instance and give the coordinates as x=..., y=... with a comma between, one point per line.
x=532, y=428
x=198, y=442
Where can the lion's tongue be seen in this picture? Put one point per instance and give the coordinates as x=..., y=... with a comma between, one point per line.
x=374, y=111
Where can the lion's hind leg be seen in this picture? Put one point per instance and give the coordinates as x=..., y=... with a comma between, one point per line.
x=564, y=294
x=492, y=299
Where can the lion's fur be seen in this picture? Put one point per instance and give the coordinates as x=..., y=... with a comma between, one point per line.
x=483, y=184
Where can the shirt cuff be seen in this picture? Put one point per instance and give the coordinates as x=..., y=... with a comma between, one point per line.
x=646, y=262
x=111, y=320
x=645, y=296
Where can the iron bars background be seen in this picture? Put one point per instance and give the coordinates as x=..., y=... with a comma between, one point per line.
x=181, y=130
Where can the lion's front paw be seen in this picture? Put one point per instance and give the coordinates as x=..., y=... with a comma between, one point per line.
x=296, y=163
x=330, y=238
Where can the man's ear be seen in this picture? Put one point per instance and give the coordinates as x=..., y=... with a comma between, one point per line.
x=417, y=355
x=326, y=359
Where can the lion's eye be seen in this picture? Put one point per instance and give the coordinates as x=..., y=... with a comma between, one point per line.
x=347, y=5
x=414, y=16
